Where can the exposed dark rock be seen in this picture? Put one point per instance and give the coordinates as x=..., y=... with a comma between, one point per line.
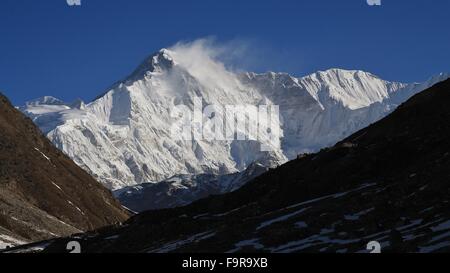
x=390, y=185
x=43, y=194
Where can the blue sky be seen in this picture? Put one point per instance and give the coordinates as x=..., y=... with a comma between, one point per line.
x=49, y=48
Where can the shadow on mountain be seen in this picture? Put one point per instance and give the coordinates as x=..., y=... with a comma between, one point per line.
x=387, y=183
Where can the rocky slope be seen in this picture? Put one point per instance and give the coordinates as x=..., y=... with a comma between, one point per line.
x=181, y=190
x=386, y=183
x=43, y=194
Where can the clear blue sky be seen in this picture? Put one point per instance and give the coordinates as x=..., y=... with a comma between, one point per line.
x=49, y=48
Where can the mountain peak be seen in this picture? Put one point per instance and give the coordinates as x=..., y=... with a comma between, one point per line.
x=316, y=111
x=439, y=78
x=163, y=59
x=78, y=104
x=45, y=100
x=157, y=62
x=346, y=73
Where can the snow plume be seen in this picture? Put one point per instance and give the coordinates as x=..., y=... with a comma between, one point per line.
x=207, y=50
x=205, y=60
x=226, y=106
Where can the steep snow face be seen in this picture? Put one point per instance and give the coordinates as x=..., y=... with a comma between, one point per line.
x=320, y=109
x=124, y=137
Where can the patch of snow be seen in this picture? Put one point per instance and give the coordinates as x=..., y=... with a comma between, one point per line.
x=356, y=216
x=169, y=247
x=46, y=157
x=200, y=215
x=33, y=248
x=335, y=195
x=8, y=241
x=228, y=212
x=308, y=242
x=442, y=226
x=77, y=208
x=54, y=184
x=254, y=243
x=301, y=224
x=281, y=218
x=435, y=247
x=114, y=237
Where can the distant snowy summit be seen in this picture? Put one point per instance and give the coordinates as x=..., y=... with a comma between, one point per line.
x=123, y=138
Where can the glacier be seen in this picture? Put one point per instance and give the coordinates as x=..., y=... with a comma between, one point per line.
x=181, y=190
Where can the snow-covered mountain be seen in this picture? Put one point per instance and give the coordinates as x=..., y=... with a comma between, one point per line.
x=320, y=109
x=124, y=138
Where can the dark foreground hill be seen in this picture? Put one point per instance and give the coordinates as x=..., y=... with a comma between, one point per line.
x=388, y=183
x=43, y=194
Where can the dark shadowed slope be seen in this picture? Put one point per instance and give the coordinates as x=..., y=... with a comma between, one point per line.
x=389, y=182
x=182, y=190
x=43, y=194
